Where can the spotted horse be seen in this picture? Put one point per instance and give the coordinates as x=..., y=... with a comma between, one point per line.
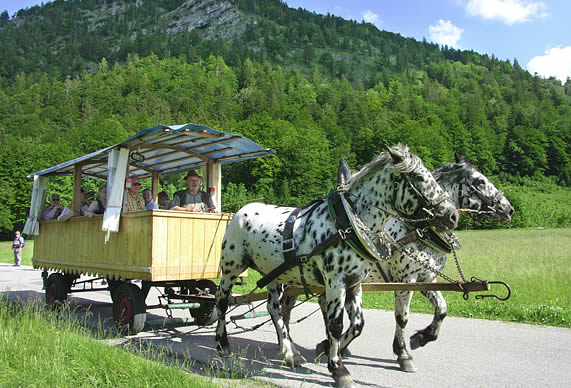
x=395, y=182
x=472, y=192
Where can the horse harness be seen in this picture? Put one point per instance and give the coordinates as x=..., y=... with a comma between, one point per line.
x=349, y=229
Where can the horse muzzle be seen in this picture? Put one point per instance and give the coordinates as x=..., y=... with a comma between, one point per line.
x=446, y=219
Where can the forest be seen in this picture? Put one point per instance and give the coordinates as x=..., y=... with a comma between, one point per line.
x=319, y=91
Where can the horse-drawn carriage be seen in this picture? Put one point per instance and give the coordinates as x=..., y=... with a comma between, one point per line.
x=179, y=251
x=328, y=247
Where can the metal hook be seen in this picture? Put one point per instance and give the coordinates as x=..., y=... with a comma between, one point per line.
x=495, y=296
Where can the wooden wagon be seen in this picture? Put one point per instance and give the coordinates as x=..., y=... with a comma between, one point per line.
x=131, y=252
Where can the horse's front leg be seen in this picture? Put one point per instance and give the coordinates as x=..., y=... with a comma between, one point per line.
x=335, y=295
x=287, y=349
x=353, y=306
x=430, y=333
x=402, y=308
x=222, y=295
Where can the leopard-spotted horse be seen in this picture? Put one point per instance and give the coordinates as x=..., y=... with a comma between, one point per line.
x=472, y=192
x=335, y=252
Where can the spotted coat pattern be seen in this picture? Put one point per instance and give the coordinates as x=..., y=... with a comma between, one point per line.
x=467, y=187
x=253, y=240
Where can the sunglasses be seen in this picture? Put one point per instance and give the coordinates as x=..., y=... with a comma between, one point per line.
x=135, y=184
x=55, y=199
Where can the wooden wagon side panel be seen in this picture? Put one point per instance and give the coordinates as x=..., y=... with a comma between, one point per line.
x=154, y=246
x=189, y=245
x=78, y=246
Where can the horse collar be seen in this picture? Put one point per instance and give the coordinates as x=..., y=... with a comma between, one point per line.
x=351, y=229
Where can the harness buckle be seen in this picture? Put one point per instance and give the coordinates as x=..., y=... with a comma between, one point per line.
x=343, y=233
x=431, y=214
x=288, y=245
x=303, y=259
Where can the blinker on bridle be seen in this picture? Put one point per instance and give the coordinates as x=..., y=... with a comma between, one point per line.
x=430, y=204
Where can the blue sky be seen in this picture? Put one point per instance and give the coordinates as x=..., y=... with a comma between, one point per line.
x=537, y=33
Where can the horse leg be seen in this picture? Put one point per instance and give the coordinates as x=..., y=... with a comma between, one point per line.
x=287, y=349
x=323, y=346
x=353, y=306
x=335, y=296
x=430, y=333
x=230, y=273
x=402, y=308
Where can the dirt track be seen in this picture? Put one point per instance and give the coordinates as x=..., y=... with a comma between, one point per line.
x=469, y=352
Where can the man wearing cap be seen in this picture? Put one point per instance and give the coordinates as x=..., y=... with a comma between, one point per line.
x=192, y=199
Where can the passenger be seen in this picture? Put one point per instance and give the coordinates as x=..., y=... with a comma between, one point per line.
x=55, y=209
x=134, y=201
x=148, y=198
x=191, y=199
x=67, y=213
x=98, y=206
x=164, y=200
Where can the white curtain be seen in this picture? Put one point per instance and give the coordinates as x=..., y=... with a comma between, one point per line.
x=117, y=167
x=32, y=226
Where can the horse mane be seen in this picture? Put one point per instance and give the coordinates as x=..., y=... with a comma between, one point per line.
x=409, y=163
x=453, y=167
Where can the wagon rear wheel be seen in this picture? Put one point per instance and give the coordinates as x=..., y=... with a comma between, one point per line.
x=56, y=289
x=129, y=310
x=206, y=314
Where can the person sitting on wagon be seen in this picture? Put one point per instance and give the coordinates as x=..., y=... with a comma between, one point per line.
x=98, y=206
x=164, y=200
x=192, y=199
x=55, y=209
x=67, y=213
x=148, y=198
x=134, y=202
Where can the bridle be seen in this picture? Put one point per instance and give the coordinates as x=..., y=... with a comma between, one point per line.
x=490, y=204
x=427, y=206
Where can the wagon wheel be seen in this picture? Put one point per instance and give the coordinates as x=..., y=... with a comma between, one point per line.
x=129, y=310
x=56, y=289
x=206, y=314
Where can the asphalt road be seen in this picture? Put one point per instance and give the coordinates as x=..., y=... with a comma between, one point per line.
x=469, y=352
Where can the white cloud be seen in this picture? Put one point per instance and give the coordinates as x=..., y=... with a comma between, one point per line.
x=507, y=11
x=371, y=17
x=556, y=62
x=445, y=33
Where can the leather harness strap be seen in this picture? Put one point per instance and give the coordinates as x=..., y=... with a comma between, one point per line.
x=288, y=248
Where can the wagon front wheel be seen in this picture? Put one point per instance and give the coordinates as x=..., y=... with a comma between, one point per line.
x=129, y=310
x=206, y=314
x=56, y=289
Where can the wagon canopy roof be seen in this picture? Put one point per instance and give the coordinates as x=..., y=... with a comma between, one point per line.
x=167, y=150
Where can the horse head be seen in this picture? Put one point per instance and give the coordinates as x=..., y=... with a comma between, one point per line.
x=409, y=190
x=471, y=190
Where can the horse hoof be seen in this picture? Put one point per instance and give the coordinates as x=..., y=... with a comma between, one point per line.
x=322, y=348
x=416, y=341
x=295, y=360
x=223, y=350
x=298, y=359
x=406, y=365
x=345, y=382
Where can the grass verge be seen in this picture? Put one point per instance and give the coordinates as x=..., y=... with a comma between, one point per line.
x=41, y=348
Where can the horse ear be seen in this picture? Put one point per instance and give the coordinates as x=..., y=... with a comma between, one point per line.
x=343, y=173
x=457, y=157
x=395, y=154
